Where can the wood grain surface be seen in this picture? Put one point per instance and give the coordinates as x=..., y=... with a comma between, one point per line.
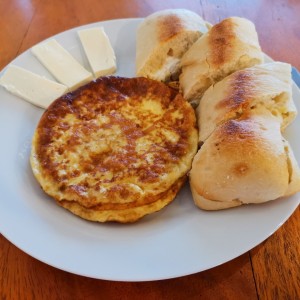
x=269, y=271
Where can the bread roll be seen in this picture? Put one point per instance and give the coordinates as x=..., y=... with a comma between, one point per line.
x=245, y=160
x=228, y=46
x=267, y=85
x=162, y=39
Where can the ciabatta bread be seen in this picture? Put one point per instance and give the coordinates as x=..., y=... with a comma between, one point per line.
x=228, y=46
x=162, y=39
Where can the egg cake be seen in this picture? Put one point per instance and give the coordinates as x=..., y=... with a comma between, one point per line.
x=115, y=149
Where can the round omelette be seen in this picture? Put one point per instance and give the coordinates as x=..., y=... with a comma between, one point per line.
x=116, y=149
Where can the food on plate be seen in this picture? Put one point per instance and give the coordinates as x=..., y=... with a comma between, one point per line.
x=228, y=46
x=116, y=149
x=244, y=160
x=127, y=213
x=268, y=85
x=31, y=87
x=244, y=157
x=97, y=47
x=162, y=38
x=61, y=64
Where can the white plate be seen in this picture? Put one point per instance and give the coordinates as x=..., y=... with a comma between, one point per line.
x=176, y=241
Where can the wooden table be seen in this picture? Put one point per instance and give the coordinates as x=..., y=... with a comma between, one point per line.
x=269, y=271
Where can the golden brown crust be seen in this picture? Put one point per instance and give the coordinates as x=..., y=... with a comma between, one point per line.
x=242, y=160
x=242, y=89
x=116, y=143
x=243, y=157
x=238, y=130
x=228, y=46
x=162, y=39
x=220, y=38
x=169, y=26
x=126, y=214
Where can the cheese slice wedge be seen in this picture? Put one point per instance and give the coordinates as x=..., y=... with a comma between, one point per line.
x=61, y=64
x=33, y=88
x=98, y=50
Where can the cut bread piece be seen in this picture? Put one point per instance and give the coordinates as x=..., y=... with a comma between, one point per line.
x=244, y=161
x=228, y=46
x=115, y=149
x=268, y=86
x=293, y=186
x=127, y=214
x=162, y=39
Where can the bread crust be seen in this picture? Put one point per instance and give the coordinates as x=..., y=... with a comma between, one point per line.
x=127, y=214
x=228, y=46
x=244, y=158
x=268, y=86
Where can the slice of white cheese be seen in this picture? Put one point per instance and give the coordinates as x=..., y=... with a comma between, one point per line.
x=61, y=64
x=35, y=89
x=98, y=50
